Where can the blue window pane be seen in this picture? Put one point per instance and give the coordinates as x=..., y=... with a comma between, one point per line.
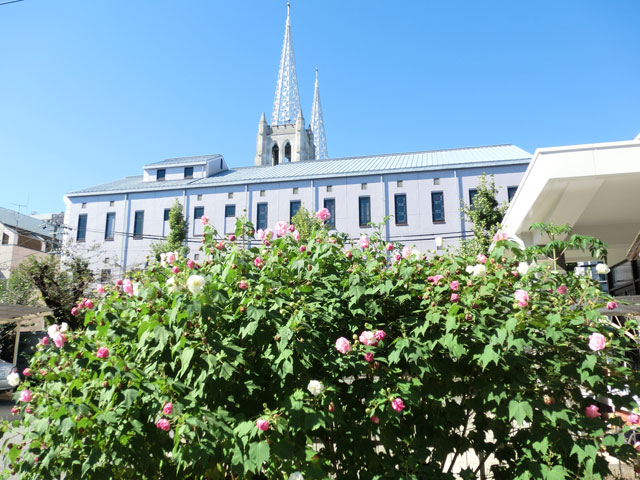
x=138, y=224
x=110, y=226
x=294, y=206
x=166, y=214
x=511, y=191
x=262, y=216
x=364, y=211
x=188, y=172
x=82, y=228
x=198, y=213
x=472, y=193
x=401, y=209
x=230, y=211
x=330, y=204
x=160, y=174
x=437, y=206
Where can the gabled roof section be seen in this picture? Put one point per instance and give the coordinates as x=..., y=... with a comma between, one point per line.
x=182, y=161
x=17, y=220
x=494, y=155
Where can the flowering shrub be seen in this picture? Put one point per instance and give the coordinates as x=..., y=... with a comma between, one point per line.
x=330, y=361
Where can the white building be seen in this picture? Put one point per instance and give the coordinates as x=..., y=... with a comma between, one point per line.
x=420, y=191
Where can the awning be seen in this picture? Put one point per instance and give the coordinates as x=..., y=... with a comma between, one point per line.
x=26, y=318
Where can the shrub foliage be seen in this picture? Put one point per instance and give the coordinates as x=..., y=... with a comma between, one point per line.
x=234, y=369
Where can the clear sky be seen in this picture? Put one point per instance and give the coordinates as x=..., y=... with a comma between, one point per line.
x=92, y=90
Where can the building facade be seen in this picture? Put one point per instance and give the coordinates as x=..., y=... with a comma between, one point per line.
x=418, y=193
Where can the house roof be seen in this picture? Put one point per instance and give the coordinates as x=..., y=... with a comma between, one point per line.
x=494, y=155
x=170, y=162
x=17, y=220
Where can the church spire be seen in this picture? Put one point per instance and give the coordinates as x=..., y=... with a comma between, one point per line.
x=287, y=101
x=317, y=124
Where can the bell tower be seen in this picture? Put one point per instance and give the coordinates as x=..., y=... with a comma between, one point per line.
x=286, y=139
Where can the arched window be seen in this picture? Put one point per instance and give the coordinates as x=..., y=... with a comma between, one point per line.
x=287, y=152
x=275, y=152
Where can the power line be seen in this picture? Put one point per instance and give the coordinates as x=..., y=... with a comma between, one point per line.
x=10, y=1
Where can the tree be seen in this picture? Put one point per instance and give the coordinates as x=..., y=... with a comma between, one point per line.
x=306, y=223
x=485, y=215
x=177, y=234
x=325, y=358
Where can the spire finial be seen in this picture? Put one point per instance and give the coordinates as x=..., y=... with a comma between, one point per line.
x=317, y=124
x=287, y=100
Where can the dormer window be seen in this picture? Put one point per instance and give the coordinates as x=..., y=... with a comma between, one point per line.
x=161, y=174
x=188, y=172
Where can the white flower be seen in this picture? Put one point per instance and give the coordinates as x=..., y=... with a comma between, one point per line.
x=13, y=379
x=296, y=476
x=53, y=330
x=479, y=270
x=172, y=286
x=136, y=287
x=195, y=283
x=602, y=269
x=315, y=387
x=416, y=253
x=523, y=268
x=469, y=269
x=64, y=327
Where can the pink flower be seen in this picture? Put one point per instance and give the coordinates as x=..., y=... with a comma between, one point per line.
x=43, y=372
x=163, y=424
x=637, y=446
x=100, y=289
x=262, y=425
x=25, y=395
x=406, y=252
x=88, y=303
x=118, y=283
x=397, y=257
x=220, y=245
x=268, y=234
x=522, y=297
x=260, y=234
x=258, y=262
x=562, y=289
x=363, y=243
x=397, y=404
x=481, y=258
x=45, y=340
x=28, y=409
x=292, y=228
x=499, y=236
x=296, y=235
x=171, y=257
x=204, y=219
x=103, y=352
x=597, y=342
x=348, y=254
x=592, y=411
x=190, y=264
x=367, y=337
x=379, y=334
x=127, y=285
x=368, y=357
x=343, y=345
x=74, y=311
x=27, y=372
x=455, y=297
x=633, y=419
x=242, y=285
x=168, y=408
x=281, y=228
x=303, y=248
x=15, y=410
x=435, y=279
x=59, y=339
x=612, y=305
x=175, y=269
x=375, y=419
x=454, y=285
x=390, y=247
x=323, y=214
x=232, y=238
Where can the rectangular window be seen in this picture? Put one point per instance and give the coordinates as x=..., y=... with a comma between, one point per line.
x=330, y=204
x=262, y=216
x=112, y=203
x=199, y=198
x=230, y=195
x=84, y=204
x=160, y=174
x=166, y=214
x=437, y=207
x=110, y=226
x=364, y=207
x=472, y=193
x=5, y=239
x=436, y=181
x=401, y=209
x=294, y=206
x=263, y=193
x=511, y=191
x=138, y=224
x=329, y=188
x=363, y=186
x=188, y=172
x=229, y=211
x=295, y=190
x=399, y=183
x=82, y=227
x=196, y=256
x=198, y=213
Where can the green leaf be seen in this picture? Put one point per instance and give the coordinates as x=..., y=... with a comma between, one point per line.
x=185, y=360
x=519, y=411
x=258, y=454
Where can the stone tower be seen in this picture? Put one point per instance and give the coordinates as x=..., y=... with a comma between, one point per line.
x=286, y=139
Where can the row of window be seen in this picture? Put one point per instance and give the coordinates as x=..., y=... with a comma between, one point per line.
x=364, y=213
x=161, y=173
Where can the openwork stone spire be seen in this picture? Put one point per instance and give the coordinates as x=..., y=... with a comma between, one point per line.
x=286, y=104
x=317, y=124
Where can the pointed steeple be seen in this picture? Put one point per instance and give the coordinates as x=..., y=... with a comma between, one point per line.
x=317, y=124
x=287, y=100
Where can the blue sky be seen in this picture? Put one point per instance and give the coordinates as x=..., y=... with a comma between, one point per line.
x=92, y=90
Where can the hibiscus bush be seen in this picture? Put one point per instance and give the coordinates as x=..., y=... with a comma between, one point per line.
x=277, y=358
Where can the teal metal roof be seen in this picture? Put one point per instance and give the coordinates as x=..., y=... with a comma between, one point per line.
x=494, y=155
x=14, y=219
x=197, y=160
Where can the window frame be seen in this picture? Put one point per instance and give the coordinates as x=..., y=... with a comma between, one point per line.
x=188, y=175
x=510, y=189
x=367, y=200
x=471, y=197
x=138, y=216
x=433, y=210
x=107, y=237
x=395, y=205
x=82, y=226
x=331, y=222
x=291, y=212
x=226, y=210
x=266, y=215
x=161, y=178
x=197, y=217
x=165, y=214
